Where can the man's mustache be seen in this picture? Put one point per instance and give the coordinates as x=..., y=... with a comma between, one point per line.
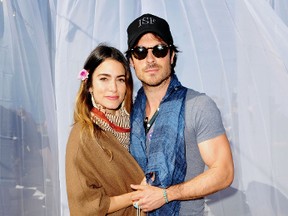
x=151, y=66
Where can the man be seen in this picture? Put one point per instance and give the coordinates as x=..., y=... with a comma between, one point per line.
x=171, y=149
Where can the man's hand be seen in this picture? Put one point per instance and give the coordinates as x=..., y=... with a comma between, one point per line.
x=148, y=197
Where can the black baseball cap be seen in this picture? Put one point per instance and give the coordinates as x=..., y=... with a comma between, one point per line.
x=148, y=23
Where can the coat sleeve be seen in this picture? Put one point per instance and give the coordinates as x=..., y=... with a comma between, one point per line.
x=86, y=196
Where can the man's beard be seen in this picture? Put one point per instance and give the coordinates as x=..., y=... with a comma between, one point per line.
x=155, y=80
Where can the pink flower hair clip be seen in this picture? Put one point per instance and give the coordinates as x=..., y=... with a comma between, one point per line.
x=83, y=75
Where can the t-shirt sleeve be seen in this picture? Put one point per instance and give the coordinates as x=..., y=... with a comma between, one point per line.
x=86, y=196
x=207, y=119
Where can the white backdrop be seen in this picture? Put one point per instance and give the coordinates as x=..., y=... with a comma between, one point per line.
x=236, y=51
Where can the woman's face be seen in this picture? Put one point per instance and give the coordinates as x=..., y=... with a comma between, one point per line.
x=108, y=84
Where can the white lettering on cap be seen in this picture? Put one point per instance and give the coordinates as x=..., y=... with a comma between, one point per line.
x=145, y=21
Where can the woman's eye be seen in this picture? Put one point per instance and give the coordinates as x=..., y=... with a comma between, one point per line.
x=103, y=78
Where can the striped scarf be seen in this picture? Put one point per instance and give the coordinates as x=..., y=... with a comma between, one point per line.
x=118, y=125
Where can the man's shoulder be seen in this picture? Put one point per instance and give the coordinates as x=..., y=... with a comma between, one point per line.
x=197, y=100
x=193, y=94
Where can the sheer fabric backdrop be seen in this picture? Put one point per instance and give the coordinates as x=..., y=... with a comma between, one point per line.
x=236, y=51
x=29, y=181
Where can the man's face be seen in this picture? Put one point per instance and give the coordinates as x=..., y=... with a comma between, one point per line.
x=152, y=71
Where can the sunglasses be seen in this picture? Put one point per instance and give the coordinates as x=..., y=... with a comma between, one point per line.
x=159, y=51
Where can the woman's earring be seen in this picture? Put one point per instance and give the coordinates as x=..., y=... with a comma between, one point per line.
x=123, y=104
x=93, y=101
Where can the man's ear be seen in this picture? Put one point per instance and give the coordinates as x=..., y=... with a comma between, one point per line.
x=172, y=58
x=131, y=62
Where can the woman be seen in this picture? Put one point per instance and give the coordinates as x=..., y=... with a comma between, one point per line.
x=99, y=168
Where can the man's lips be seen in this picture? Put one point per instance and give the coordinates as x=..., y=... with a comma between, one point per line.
x=151, y=70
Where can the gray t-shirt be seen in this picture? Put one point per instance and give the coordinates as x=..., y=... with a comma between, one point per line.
x=202, y=122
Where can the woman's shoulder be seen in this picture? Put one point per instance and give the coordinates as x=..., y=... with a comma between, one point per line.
x=75, y=133
x=75, y=129
x=76, y=126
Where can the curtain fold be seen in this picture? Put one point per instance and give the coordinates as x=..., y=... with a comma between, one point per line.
x=29, y=182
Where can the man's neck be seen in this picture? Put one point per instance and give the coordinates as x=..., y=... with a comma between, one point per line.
x=154, y=95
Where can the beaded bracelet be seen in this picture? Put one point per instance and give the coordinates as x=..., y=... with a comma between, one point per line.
x=165, y=195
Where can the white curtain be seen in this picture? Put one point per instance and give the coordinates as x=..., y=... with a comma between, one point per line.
x=29, y=181
x=236, y=51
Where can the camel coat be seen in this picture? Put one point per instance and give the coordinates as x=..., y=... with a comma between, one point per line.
x=91, y=178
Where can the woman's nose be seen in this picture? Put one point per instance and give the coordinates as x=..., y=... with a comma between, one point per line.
x=113, y=86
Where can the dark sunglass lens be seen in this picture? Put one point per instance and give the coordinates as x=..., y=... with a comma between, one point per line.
x=160, y=51
x=140, y=52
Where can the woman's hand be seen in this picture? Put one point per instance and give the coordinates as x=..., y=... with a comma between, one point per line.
x=148, y=197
